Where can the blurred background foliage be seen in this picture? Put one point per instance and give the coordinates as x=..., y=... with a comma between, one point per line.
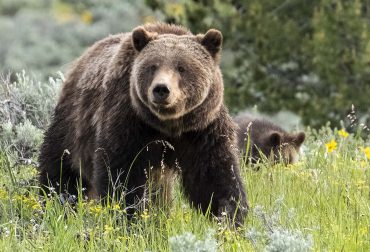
x=44, y=36
x=310, y=57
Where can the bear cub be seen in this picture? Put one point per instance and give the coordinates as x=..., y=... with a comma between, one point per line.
x=268, y=139
x=146, y=102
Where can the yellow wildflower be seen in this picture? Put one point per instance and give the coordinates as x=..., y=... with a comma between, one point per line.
x=108, y=229
x=361, y=182
x=17, y=197
x=367, y=152
x=116, y=207
x=187, y=217
x=331, y=146
x=96, y=209
x=175, y=9
x=363, y=163
x=363, y=231
x=226, y=234
x=149, y=19
x=34, y=172
x=3, y=194
x=36, y=206
x=87, y=17
x=343, y=133
x=145, y=215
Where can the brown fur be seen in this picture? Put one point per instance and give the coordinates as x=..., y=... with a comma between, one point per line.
x=267, y=138
x=108, y=119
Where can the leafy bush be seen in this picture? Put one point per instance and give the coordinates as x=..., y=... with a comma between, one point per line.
x=46, y=37
x=24, y=138
x=188, y=242
x=25, y=112
x=288, y=241
x=274, y=234
x=29, y=99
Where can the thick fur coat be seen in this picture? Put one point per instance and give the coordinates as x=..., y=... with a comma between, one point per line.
x=149, y=100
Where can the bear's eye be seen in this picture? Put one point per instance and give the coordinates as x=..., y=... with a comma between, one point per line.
x=180, y=69
x=153, y=68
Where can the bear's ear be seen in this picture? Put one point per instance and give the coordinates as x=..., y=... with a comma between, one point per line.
x=141, y=37
x=274, y=138
x=212, y=41
x=299, y=138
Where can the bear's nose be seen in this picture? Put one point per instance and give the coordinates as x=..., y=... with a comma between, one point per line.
x=161, y=93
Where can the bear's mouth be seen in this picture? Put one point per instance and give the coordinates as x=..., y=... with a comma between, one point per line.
x=161, y=104
x=166, y=111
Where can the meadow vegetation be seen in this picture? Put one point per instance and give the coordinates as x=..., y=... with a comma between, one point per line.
x=307, y=57
x=320, y=203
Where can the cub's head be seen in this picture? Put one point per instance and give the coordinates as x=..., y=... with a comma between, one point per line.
x=268, y=139
x=175, y=75
x=280, y=146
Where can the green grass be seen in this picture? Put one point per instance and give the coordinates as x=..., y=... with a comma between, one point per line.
x=325, y=197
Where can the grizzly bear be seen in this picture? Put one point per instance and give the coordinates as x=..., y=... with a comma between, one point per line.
x=265, y=137
x=149, y=100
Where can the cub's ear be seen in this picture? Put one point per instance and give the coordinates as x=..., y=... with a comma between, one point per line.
x=299, y=138
x=141, y=37
x=212, y=41
x=274, y=138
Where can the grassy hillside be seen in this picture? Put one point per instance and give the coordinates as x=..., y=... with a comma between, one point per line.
x=321, y=203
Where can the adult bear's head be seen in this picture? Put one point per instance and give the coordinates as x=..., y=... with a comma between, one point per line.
x=176, y=84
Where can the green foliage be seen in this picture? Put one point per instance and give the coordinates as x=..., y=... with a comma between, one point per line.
x=27, y=98
x=25, y=110
x=188, y=242
x=309, y=57
x=26, y=138
x=44, y=37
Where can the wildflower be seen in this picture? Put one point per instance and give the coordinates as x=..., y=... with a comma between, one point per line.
x=145, y=215
x=227, y=234
x=331, y=146
x=96, y=209
x=361, y=185
x=34, y=172
x=116, y=207
x=343, y=133
x=108, y=229
x=362, y=163
x=36, y=206
x=3, y=194
x=367, y=152
x=187, y=217
x=87, y=17
x=361, y=182
x=363, y=231
x=176, y=9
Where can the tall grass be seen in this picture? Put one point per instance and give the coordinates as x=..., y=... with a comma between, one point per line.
x=321, y=203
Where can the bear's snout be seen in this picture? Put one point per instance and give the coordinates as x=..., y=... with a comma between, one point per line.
x=160, y=93
x=164, y=89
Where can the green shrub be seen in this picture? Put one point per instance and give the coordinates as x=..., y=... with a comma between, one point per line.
x=25, y=113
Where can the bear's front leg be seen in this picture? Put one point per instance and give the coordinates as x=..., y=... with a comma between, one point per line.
x=123, y=173
x=119, y=176
x=211, y=177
